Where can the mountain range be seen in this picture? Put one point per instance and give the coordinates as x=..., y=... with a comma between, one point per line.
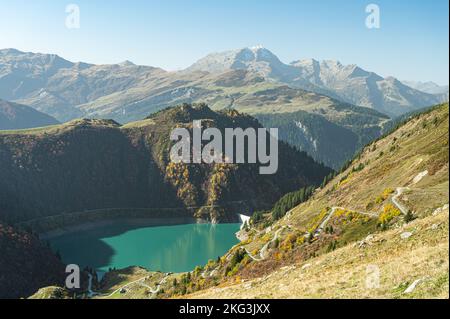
x=428, y=87
x=351, y=106
x=125, y=92
x=349, y=83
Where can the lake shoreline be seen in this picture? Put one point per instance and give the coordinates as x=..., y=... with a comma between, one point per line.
x=137, y=222
x=166, y=245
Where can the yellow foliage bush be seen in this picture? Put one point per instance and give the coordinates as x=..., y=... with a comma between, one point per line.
x=386, y=193
x=388, y=214
x=267, y=237
x=340, y=212
x=300, y=240
x=289, y=242
x=278, y=255
x=317, y=220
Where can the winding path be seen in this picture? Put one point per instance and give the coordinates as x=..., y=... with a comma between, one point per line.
x=124, y=286
x=394, y=199
x=263, y=250
x=398, y=192
x=158, y=286
x=331, y=213
x=137, y=281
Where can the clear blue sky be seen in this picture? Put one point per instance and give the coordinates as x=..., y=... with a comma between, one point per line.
x=412, y=42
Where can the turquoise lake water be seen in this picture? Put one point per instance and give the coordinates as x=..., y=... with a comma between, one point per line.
x=176, y=248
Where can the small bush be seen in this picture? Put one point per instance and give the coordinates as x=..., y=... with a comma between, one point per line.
x=332, y=246
x=409, y=217
x=386, y=193
x=388, y=214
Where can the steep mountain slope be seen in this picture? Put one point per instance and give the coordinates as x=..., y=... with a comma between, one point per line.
x=330, y=134
x=325, y=141
x=97, y=164
x=15, y=116
x=26, y=264
x=386, y=213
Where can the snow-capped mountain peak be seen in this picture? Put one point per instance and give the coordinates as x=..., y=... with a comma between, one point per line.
x=256, y=58
x=349, y=83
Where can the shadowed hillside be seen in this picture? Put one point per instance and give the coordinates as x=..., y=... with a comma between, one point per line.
x=15, y=116
x=26, y=264
x=96, y=164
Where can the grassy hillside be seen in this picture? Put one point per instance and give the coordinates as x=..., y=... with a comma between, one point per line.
x=322, y=248
x=345, y=273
